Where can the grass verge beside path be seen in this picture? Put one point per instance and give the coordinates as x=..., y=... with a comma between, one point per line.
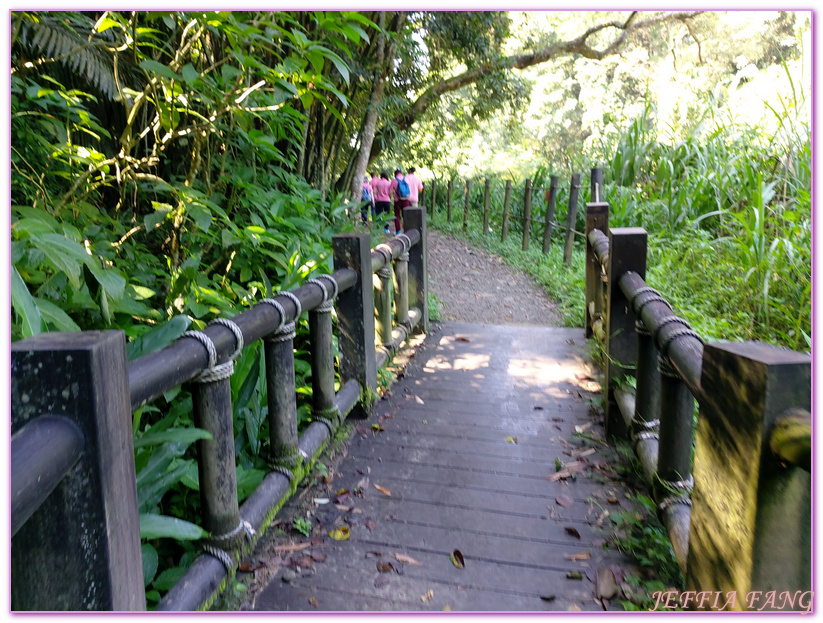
x=566, y=286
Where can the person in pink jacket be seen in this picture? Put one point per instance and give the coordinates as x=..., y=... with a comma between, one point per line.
x=415, y=186
x=382, y=200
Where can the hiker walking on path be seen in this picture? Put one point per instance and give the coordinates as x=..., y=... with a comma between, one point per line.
x=382, y=200
x=400, y=193
x=415, y=186
x=366, y=200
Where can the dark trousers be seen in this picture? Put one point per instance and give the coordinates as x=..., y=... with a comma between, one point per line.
x=398, y=212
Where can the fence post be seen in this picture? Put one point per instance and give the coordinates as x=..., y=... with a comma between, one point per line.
x=627, y=252
x=597, y=217
x=486, y=206
x=355, y=314
x=466, y=205
x=571, y=219
x=449, y=191
x=434, y=195
x=81, y=549
x=415, y=218
x=506, y=206
x=527, y=214
x=282, y=402
x=750, y=519
x=547, y=232
x=383, y=305
x=597, y=185
x=322, y=357
x=401, y=285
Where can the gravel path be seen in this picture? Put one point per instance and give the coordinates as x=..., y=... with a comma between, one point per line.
x=475, y=286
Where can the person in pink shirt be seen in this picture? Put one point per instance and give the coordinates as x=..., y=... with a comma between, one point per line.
x=382, y=200
x=375, y=178
x=415, y=186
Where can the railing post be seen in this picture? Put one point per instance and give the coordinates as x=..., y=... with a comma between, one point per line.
x=418, y=266
x=81, y=549
x=449, y=191
x=401, y=285
x=434, y=195
x=527, y=214
x=751, y=516
x=627, y=252
x=355, y=314
x=506, y=206
x=571, y=219
x=466, y=205
x=322, y=357
x=597, y=217
x=547, y=232
x=383, y=305
x=486, y=206
x=216, y=465
x=279, y=355
x=597, y=185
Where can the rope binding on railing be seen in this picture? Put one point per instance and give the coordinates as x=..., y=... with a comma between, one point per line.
x=208, y=545
x=214, y=372
x=680, y=492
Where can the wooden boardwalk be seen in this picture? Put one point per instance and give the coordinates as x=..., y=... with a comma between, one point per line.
x=476, y=426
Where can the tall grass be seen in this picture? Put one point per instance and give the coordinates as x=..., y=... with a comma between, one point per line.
x=728, y=210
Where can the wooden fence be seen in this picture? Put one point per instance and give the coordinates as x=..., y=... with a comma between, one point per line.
x=75, y=523
x=738, y=514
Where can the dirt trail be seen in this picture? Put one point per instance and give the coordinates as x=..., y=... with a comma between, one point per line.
x=473, y=285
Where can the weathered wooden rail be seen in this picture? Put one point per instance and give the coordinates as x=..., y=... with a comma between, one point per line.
x=76, y=539
x=739, y=516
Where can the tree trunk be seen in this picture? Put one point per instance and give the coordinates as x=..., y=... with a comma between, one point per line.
x=384, y=63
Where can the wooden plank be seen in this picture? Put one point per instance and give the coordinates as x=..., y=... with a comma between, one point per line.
x=457, y=482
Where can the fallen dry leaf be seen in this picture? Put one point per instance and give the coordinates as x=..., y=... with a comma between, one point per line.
x=408, y=560
x=547, y=597
x=377, y=428
x=418, y=400
x=574, y=575
x=382, y=490
x=373, y=554
x=384, y=566
x=293, y=547
x=427, y=597
x=457, y=559
x=305, y=562
x=578, y=556
x=247, y=567
x=581, y=429
x=573, y=608
x=558, y=419
x=447, y=608
x=357, y=511
x=537, y=408
x=564, y=500
x=340, y=507
x=586, y=452
x=340, y=534
x=318, y=556
x=572, y=531
x=460, y=338
x=313, y=601
x=370, y=524
x=319, y=501
x=511, y=439
x=613, y=500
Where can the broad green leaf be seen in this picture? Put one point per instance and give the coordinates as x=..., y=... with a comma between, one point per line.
x=51, y=313
x=105, y=24
x=166, y=580
x=247, y=481
x=24, y=305
x=149, y=563
x=189, y=73
x=201, y=216
x=64, y=254
x=39, y=215
x=161, y=211
x=162, y=526
x=159, y=337
x=111, y=280
x=176, y=435
x=229, y=72
x=153, y=67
